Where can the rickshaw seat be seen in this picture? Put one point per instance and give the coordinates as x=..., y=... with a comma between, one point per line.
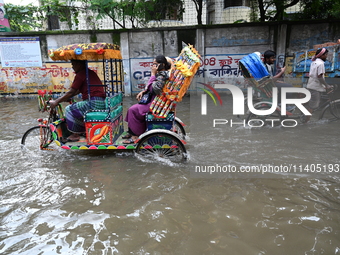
x=111, y=117
x=257, y=74
x=113, y=109
x=103, y=115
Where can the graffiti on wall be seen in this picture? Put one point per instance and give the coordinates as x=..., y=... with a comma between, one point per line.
x=141, y=72
x=214, y=67
x=220, y=66
x=56, y=77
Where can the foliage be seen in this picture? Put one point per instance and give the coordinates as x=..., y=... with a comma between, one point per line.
x=270, y=10
x=23, y=18
x=137, y=13
x=319, y=9
x=30, y=17
x=103, y=8
x=275, y=10
x=64, y=10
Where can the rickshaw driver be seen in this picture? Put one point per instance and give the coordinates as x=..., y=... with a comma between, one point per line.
x=269, y=58
x=74, y=113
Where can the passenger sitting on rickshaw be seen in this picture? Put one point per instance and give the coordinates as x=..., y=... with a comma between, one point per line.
x=74, y=113
x=269, y=58
x=135, y=116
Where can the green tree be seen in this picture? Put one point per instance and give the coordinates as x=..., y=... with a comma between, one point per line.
x=281, y=7
x=105, y=8
x=275, y=10
x=319, y=9
x=199, y=10
x=65, y=11
x=138, y=13
x=23, y=18
x=30, y=17
x=272, y=10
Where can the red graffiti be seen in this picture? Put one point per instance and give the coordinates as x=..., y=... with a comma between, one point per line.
x=56, y=71
x=145, y=64
x=3, y=86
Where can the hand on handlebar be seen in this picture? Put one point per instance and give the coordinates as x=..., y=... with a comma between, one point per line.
x=53, y=104
x=329, y=89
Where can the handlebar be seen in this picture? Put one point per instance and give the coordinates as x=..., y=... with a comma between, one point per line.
x=332, y=89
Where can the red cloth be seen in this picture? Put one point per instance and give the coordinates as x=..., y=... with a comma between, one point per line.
x=80, y=84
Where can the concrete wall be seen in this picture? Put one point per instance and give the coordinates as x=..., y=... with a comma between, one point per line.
x=221, y=47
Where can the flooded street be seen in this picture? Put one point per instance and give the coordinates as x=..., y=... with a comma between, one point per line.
x=81, y=202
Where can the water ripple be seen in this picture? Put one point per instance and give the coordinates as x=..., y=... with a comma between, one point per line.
x=62, y=202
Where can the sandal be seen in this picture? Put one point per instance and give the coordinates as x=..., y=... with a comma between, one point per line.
x=127, y=136
x=129, y=141
x=63, y=140
x=73, y=138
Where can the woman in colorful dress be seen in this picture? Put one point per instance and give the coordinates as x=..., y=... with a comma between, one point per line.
x=135, y=116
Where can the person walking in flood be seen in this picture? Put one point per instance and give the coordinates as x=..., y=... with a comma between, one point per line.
x=316, y=83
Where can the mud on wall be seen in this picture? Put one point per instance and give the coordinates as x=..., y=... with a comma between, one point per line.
x=220, y=46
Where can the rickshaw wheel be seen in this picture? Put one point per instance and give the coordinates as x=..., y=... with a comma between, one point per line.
x=38, y=137
x=332, y=111
x=179, y=129
x=161, y=146
x=260, y=120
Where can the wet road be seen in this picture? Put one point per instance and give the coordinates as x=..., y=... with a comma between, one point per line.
x=62, y=202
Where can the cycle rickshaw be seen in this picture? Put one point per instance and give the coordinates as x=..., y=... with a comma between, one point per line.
x=165, y=134
x=258, y=77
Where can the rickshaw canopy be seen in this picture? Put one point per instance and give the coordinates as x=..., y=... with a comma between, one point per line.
x=86, y=51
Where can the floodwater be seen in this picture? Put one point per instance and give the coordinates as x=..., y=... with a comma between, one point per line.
x=65, y=202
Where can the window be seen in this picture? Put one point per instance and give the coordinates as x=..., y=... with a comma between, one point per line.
x=161, y=10
x=53, y=22
x=232, y=3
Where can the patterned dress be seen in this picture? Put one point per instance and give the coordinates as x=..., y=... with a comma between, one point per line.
x=135, y=116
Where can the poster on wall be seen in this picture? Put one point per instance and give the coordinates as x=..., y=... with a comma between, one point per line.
x=20, y=52
x=141, y=72
x=4, y=23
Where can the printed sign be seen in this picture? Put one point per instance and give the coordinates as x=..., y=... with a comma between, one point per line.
x=20, y=52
